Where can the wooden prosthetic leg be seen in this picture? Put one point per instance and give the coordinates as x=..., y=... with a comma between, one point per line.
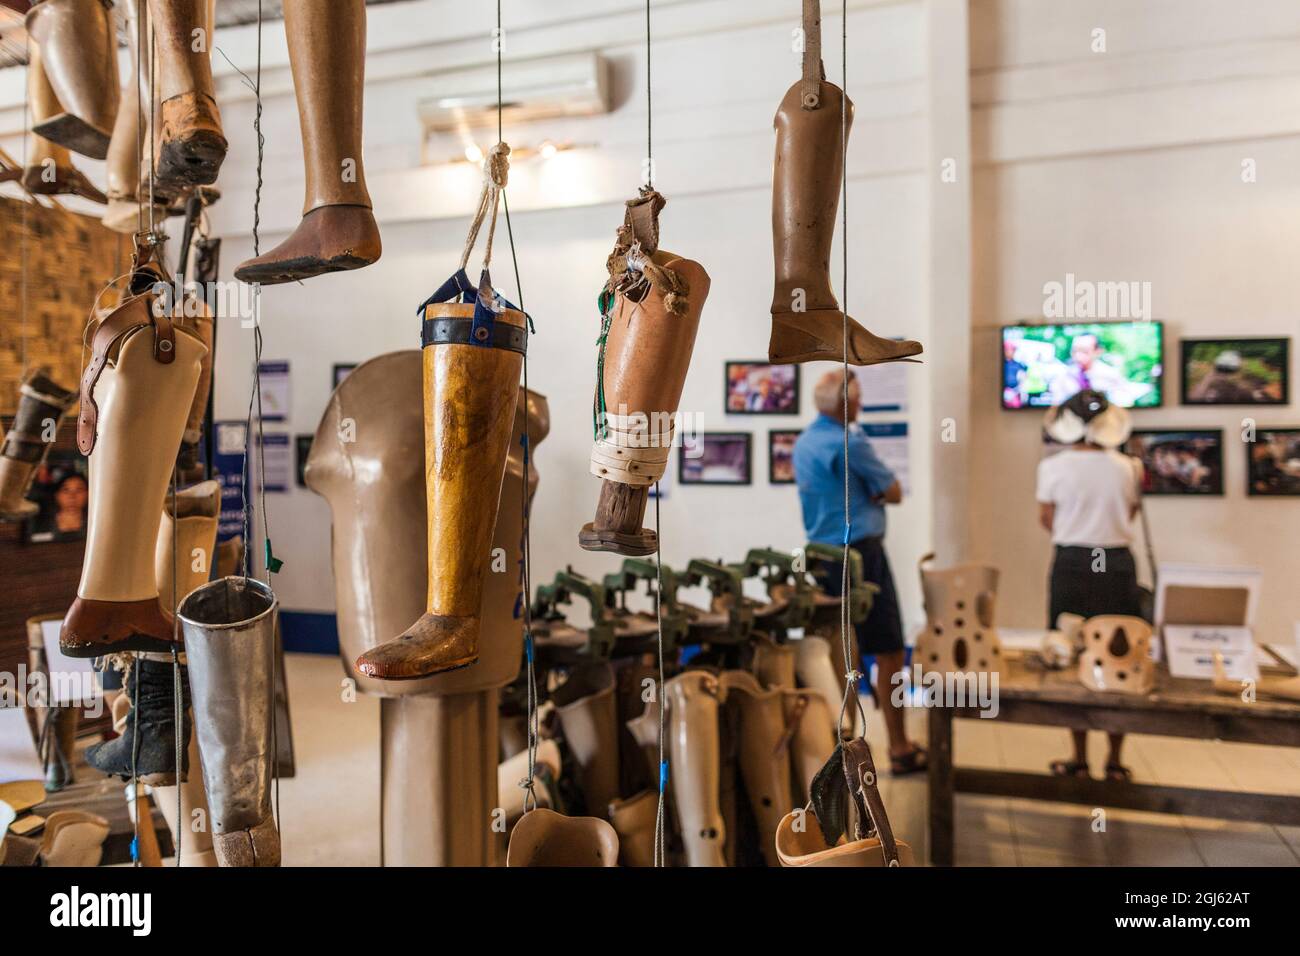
x=190, y=146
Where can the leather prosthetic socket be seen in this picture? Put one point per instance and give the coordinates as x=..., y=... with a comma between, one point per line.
x=764, y=757
x=48, y=169
x=546, y=838
x=190, y=146
x=41, y=405
x=695, y=758
x=327, y=47
x=79, y=47
x=473, y=347
x=230, y=642
x=135, y=394
x=651, y=312
x=807, y=323
x=587, y=712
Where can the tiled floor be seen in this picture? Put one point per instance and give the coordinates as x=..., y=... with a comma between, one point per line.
x=330, y=811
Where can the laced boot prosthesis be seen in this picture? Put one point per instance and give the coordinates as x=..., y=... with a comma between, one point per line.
x=134, y=397
x=327, y=46
x=587, y=711
x=658, y=298
x=230, y=643
x=807, y=323
x=79, y=47
x=150, y=731
x=764, y=754
x=191, y=146
x=695, y=758
x=48, y=170
x=41, y=405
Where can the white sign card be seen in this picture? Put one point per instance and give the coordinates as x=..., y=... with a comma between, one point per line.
x=274, y=377
x=1190, y=650
x=889, y=440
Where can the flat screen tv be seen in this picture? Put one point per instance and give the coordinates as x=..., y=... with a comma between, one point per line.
x=1043, y=365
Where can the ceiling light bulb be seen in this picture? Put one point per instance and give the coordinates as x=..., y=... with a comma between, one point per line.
x=473, y=153
x=549, y=149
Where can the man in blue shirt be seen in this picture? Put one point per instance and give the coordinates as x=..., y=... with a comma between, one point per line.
x=819, y=466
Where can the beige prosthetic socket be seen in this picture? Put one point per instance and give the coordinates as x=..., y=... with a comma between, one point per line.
x=1117, y=654
x=79, y=48
x=187, y=540
x=196, y=841
x=693, y=770
x=588, y=714
x=764, y=763
x=633, y=820
x=546, y=838
x=774, y=664
x=815, y=669
x=809, y=719
x=960, y=636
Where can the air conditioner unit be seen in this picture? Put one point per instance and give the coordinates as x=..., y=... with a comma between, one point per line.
x=575, y=84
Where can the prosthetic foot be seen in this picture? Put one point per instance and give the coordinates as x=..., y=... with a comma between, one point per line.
x=694, y=759
x=191, y=146
x=48, y=170
x=807, y=323
x=764, y=757
x=327, y=46
x=472, y=358
x=655, y=302
x=146, y=747
x=585, y=704
x=41, y=405
x=547, y=838
x=79, y=48
x=230, y=642
x=135, y=394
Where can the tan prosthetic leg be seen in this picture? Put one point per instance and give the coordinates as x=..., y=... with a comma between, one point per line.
x=41, y=406
x=196, y=841
x=809, y=719
x=633, y=820
x=815, y=669
x=764, y=763
x=191, y=146
x=327, y=52
x=694, y=759
x=807, y=322
x=585, y=704
x=658, y=298
x=48, y=170
x=774, y=664
x=187, y=540
x=79, y=46
x=134, y=397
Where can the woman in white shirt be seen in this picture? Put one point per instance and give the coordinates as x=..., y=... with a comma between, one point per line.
x=1088, y=495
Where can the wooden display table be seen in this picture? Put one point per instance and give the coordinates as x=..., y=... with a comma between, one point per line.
x=1176, y=708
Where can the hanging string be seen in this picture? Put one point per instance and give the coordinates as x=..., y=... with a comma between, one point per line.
x=851, y=673
x=22, y=304
x=649, y=111
x=661, y=830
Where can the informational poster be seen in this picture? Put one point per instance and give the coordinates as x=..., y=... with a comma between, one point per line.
x=1190, y=651
x=275, y=390
x=230, y=468
x=277, y=462
x=883, y=387
x=889, y=440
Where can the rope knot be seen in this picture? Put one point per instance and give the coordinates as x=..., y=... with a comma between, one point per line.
x=496, y=166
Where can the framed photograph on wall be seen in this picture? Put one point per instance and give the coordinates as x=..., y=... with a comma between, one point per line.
x=61, y=491
x=716, y=458
x=780, y=456
x=1247, y=371
x=340, y=373
x=1179, y=462
x=758, y=388
x=1273, y=463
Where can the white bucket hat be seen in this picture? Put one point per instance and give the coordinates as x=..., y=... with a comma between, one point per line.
x=1088, y=416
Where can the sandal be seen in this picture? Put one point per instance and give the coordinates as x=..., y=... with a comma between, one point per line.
x=1069, y=768
x=1118, y=773
x=914, y=761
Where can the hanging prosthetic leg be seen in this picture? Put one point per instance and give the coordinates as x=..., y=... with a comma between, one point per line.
x=230, y=642
x=41, y=405
x=191, y=146
x=79, y=46
x=807, y=322
x=652, y=305
x=48, y=170
x=327, y=51
x=474, y=342
x=694, y=759
x=135, y=394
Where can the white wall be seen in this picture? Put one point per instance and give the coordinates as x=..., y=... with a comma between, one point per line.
x=720, y=68
x=1127, y=166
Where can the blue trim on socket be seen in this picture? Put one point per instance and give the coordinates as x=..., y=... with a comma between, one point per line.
x=309, y=632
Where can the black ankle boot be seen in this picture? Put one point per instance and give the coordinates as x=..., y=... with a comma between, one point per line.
x=150, y=728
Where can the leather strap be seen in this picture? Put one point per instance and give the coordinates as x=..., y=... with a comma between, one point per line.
x=860, y=774
x=642, y=219
x=482, y=330
x=813, y=72
x=453, y=331
x=136, y=313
